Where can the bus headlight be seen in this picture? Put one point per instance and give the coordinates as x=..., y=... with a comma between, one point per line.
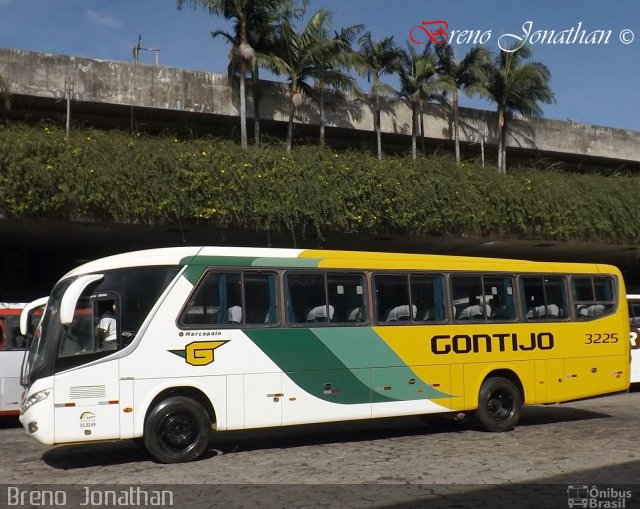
x=35, y=398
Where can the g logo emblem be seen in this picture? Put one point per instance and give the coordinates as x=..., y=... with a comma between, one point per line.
x=199, y=353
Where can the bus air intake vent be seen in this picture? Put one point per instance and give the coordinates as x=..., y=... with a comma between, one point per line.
x=88, y=391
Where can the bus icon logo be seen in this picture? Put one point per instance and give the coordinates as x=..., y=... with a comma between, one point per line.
x=578, y=495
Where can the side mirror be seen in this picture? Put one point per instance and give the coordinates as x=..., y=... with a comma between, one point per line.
x=71, y=296
x=24, y=315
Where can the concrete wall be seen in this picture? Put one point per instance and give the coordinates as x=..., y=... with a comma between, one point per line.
x=150, y=86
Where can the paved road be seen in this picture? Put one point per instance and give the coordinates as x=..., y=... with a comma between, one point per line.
x=434, y=464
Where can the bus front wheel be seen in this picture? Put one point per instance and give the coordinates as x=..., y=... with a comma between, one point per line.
x=177, y=430
x=499, y=405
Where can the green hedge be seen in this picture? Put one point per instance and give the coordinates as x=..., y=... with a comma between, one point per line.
x=136, y=178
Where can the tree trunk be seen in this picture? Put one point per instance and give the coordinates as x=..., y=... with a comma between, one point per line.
x=456, y=125
x=414, y=130
x=503, y=135
x=243, y=110
x=323, y=120
x=501, y=140
x=256, y=106
x=378, y=127
x=290, y=128
x=422, y=128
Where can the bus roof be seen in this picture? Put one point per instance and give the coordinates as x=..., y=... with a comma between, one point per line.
x=12, y=305
x=292, y=258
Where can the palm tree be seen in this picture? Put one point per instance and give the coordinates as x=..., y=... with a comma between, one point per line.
x=247, y=15
x=302, y=56
x=342, y=56
x=377, y=58
x=465, y=76
x=418, y=84
x=515, y=87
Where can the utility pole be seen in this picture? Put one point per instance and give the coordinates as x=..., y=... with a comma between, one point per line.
x=68, y=93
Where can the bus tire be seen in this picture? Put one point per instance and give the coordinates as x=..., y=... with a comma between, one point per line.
x=177, y=430
x=499, y=405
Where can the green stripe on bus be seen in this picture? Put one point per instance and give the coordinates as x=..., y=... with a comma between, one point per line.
x=311, y=365
x=287, y=262
x=361, y=347
x=197, y=264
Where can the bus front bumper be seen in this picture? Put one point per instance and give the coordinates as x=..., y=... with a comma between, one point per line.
x=37, y=413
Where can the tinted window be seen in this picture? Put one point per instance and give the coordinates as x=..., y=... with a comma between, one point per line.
x=592, y=296
x=544, y=297
x=232, y=298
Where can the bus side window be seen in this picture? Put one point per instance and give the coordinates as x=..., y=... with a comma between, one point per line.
x=544, y=297
x=260, y=298
x=307, y=298
x=498, y=292
x=392, y=298
x=468, y=298
x=426, y=295
x=204, y=306
x=346, y=296
x=593, y=296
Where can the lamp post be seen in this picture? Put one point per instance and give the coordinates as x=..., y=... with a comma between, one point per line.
x=483, y=138
x=69, y=94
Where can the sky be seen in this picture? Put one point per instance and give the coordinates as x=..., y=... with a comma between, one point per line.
x=595, y=65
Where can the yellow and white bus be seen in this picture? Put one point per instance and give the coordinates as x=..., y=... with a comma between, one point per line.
x=169, y=344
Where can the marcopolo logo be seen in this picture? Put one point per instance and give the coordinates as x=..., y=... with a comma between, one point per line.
x=582, y=495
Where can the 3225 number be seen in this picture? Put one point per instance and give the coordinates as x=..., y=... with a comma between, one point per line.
x=592, y=339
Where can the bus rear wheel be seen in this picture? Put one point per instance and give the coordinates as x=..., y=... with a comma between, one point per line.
x=499, y=405
x=177, y=430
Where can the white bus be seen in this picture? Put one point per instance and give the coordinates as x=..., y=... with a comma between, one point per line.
x=170, y=344
x=17, y=325
x=634, y=319
x=12, y=351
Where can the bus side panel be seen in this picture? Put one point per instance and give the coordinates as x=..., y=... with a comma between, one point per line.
x=10, y=389
x=87, y=403
x=590, y=376
x=302, y=407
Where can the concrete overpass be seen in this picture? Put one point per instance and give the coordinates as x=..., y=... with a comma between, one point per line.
x=149, y=97
x=34, y=253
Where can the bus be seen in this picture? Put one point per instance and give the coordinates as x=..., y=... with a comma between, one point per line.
x=633, y=301
x=17, y=323
x=12, y=351
x=210, y=339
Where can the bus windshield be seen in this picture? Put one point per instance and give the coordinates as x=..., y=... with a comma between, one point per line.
x=49, y=327
x=107, y=316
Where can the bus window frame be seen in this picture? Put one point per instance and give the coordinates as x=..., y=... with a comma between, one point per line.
x=366, y=300
x=232, y=270
x=446, y=297
x=615, y=290
x=518, y=315
x=568, y=315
